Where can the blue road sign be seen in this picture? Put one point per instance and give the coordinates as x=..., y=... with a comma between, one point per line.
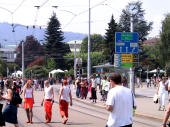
x=126, y=42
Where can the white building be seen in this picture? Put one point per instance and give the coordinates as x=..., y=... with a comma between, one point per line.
x=8, y=53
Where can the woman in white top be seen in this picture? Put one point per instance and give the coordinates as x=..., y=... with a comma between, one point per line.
x=28, y=100
x=48, y=101
x=65, y=98
x=161, y=91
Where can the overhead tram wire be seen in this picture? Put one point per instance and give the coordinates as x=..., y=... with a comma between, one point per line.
x=35, y=20
x=83, y=13
x=36, y=16
x=19, y=6
x=92, y=7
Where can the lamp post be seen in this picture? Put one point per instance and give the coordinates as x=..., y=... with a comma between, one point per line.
x=23, y=62
x=75, y=60
x=132, y=10
x=89, y=46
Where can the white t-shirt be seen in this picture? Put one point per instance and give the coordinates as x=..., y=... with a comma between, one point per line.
x=48, y=94
x=122, y=100
x=107, y=85
x=93, y=83
x=66, y=93
x=98, y=80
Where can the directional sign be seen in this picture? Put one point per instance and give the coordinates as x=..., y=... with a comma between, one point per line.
x=117, y=60
x=126, y=42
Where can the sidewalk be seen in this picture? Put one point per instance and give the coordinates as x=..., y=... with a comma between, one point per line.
x=144, y=101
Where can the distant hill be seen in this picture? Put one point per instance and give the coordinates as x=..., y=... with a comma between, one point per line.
x=20, y=32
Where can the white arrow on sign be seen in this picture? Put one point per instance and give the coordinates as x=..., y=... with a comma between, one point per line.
x=126, y=49
x=120, y=49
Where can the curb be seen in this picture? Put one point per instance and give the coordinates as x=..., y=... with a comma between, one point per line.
x=102, y=106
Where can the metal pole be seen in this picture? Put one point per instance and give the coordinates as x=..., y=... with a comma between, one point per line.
x=89, y=45
x=132, y=87
x=23, y=62
x=75, y=60
x=31, y=75
x=7, y=70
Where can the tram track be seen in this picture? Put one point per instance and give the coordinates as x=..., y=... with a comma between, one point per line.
x=102, y=115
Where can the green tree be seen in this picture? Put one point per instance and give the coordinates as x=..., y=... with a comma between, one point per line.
x=97, y=41
x=54, y=46
x=3, y=68
x=32, y=50
x=140, y=24
x=165, y=41
x=37, y=72
x=12, y=67
x=51, y=64
x=96, y=58
x=109, y=43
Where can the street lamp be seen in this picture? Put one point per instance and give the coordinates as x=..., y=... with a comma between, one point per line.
x=89, y=46
x=132, y=10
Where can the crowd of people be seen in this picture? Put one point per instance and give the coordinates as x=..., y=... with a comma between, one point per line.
x=119, y=99
x=11, y=86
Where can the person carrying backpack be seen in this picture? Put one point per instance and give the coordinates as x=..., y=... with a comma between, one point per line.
x=10, y=111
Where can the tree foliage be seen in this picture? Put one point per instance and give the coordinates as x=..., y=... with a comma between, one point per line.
x=37, y=72
x=96, y=58
x=54, y=46
x=97, y=41
x=165, y=41
x=3, y=68
x=51, y=64
x=32, y=50
x=109, y=43
x=140, y=24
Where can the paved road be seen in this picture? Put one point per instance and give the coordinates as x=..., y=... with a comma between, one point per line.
x=81, y=115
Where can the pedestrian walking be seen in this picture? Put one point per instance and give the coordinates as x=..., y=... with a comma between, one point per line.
x=148, y=82
x=107, y=87
x=120, y=103
x=138, y=82
x=2, y=84
x=78, y=88
x=2, y=122
x=93, y=88
x=83, y=89
x=42, y=84
x=48, y=101
x=103, y=82
x=124, y=81
x=86, y=87
x=28, y=100
x=166, y=116
x=65, y=97
x=161, y=92
x=10, y=111
x=98, y=81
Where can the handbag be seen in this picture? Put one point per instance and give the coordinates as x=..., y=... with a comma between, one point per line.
x=155, y=99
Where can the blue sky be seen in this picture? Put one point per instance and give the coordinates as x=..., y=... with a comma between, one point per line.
x=69, y=13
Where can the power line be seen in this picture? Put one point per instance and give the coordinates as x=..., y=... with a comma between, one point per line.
x=84, y=12
x=18, y=6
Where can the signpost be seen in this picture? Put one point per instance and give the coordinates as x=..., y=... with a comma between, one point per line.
x=126, y=42
x=126, y=49
x=125, y=60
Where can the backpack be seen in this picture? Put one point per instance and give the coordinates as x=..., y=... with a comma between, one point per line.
x=16, y=99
